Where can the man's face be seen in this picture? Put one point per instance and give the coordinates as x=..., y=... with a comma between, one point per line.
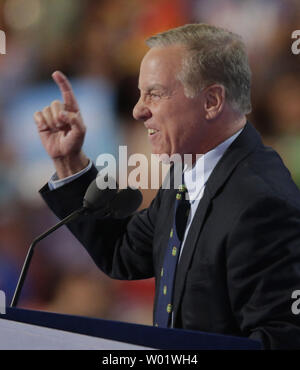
x=172, y=119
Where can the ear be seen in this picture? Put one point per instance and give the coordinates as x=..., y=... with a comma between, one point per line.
x=214, y=101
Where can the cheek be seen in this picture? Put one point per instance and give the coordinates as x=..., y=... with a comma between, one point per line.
x=177, y=123
x=185, y=134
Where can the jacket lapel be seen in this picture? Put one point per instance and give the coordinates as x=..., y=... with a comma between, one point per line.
x=238, y=150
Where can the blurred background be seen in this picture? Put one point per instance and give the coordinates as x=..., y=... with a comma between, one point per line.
x=99, y=44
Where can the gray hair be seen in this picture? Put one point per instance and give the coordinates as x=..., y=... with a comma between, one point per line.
x=214, y=55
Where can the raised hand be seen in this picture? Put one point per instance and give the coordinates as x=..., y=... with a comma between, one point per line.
x=62, y=130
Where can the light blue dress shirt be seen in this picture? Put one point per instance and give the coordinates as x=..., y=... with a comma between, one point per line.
x=55, y=183
x=205, y=166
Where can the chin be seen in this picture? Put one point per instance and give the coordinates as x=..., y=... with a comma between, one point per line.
x=157, y=151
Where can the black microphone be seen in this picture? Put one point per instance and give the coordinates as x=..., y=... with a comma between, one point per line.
x=125, y=202
x=95, y=198
x=114, y=202
x=118, y=203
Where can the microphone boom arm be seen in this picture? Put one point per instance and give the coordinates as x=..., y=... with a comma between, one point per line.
x=29, y=255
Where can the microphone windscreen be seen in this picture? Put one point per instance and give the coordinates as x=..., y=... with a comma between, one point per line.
x=96, y=198
x=126, y=202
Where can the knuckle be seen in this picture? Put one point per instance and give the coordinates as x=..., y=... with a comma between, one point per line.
x=46, y=110
x=56, y=104
x=40, y=119
x=73, y=120
x=37, y=115
x=63, y=116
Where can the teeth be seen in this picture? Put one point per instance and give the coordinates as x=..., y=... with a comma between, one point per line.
x=151, y=131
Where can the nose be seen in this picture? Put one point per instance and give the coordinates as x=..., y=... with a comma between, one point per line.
x=141, y=111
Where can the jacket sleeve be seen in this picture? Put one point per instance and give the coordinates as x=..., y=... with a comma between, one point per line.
x=120, y=248
x=263, y=258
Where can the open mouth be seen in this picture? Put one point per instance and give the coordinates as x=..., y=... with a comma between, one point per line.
x=152, y=131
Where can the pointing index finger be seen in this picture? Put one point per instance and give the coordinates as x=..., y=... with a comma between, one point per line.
x=66, y=91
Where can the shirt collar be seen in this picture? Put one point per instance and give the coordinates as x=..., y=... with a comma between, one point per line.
x=196, y=177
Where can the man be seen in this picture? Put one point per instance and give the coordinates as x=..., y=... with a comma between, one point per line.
x=239, y=257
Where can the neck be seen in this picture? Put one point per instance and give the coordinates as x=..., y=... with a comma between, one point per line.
x=219, y=131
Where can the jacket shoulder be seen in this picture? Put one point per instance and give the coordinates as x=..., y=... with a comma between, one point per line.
x=262, y=174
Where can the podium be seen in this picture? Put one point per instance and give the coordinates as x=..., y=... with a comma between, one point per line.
x=27, y=329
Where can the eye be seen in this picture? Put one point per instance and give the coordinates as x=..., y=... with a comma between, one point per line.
x=155, y=95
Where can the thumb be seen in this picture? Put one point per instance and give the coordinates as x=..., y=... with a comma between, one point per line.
x=67, y=118
x=72, y=119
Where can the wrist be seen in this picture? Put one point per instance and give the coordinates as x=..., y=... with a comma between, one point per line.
x=70, y=165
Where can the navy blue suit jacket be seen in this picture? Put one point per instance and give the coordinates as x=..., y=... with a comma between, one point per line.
x=241, y=260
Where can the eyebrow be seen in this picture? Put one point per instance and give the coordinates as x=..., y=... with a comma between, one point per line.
x=153, y=87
